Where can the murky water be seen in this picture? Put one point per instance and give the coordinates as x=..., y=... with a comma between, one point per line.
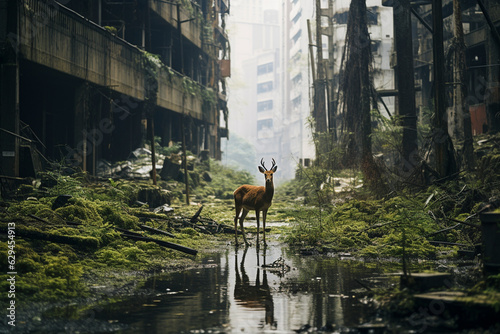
x=237, y=292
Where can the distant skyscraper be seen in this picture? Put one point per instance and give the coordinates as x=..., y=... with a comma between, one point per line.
x=270, y=89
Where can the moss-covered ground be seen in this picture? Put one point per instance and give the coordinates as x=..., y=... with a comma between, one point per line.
x=64, y=249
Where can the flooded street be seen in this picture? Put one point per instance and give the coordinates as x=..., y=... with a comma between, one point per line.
x=236, y=291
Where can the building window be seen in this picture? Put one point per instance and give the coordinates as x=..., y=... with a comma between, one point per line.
x=297, y=16
x=376, y=47
x=265, y=68
x=341, y=17
x=296, y=37
x=296, y=80
x=296, y=57
x=264, y=124
x=265, y=105
x=296, y=102
x=372, y=16
x=264, y=87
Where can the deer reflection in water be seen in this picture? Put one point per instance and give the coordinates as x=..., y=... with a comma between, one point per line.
x=254, y=296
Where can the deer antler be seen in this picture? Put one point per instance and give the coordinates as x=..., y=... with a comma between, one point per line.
x=274, y=163
x=262, y=163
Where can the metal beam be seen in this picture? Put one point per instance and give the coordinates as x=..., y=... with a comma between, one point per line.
x=494, y=31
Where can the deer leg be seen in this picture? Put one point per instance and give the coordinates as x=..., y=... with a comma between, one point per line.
x=257, y=214
x=264, y=215
x=238, y=210
x=242, y=218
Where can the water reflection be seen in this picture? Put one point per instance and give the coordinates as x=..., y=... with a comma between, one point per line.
x=235, y=293
x=254, y=295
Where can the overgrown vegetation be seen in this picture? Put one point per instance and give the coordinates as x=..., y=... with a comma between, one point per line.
x=418, y=227
x=59, y=243
x=404, y=223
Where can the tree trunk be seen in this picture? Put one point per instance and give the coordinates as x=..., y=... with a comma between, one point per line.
x=357, y=87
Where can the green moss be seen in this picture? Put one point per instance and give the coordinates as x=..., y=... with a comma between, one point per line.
x=118, y=216
x=52, y=278
x=41, y=208
x=82, y=211
x=133, y=253
x=370, y=228
x=112, y=258
x=190, y=232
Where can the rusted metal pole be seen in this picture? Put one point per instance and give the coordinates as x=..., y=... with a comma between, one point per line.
x=421, y=20
x=311, y=52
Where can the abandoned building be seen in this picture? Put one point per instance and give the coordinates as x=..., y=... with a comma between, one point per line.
x=88, y=80
x=481, y=21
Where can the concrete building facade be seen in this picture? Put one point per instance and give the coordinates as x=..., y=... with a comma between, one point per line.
x=86, y=80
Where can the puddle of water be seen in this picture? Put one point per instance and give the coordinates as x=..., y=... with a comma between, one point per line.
x=233, y=293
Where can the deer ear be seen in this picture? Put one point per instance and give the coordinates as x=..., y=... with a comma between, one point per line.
x=262, y=170
x=274, y=169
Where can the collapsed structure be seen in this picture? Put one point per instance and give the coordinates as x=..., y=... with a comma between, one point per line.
x=88, y=80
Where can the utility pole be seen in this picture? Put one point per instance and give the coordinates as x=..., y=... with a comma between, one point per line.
x=332, y=103
x=311, y=52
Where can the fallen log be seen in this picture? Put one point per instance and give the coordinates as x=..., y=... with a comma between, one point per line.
x=187, y=250
x=80, y=242
x=38, y=218
x=157, y=231
x=47, y=222
x=124, y=231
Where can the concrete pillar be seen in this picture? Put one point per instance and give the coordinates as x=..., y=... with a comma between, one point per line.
x=9, y=90
x=80, y=126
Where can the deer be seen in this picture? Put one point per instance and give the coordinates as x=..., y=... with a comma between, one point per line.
x=258, y=198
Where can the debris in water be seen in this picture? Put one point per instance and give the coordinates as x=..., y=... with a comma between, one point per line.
x=278, y=265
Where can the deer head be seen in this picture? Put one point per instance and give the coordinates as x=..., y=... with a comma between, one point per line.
x=268, y=174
